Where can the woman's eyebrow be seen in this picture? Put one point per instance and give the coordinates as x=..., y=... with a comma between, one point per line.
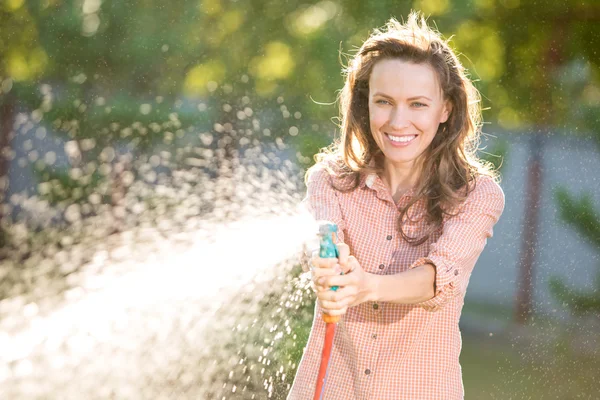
x=382, y=95
x=409, y=99
x=419, y=97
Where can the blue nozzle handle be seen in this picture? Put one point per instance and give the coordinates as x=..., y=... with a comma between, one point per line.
x=327, y=247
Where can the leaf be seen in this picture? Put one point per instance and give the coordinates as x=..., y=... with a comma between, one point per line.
x=580, y=214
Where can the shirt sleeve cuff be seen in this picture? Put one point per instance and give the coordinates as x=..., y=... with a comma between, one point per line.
x=446, y=281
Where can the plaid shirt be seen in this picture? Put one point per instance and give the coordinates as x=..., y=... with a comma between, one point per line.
x=397, y=351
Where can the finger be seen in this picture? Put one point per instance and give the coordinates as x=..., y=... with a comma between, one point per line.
x=326, y=295
x=326, y=271
x=343, y=296
x=352, y=264
x=333, y=305
x=335, y=280
x=328, y=307
x=341, y=311
x=337, y=304
x=318, y=262
x=346, y=292
x=318, y=288
x=343, y=253
x=322, y=273
x=324, y=306
x=333, y=313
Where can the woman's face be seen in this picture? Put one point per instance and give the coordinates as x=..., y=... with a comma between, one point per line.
x=406, y=106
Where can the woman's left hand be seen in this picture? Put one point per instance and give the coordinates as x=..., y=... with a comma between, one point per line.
x=355, y=286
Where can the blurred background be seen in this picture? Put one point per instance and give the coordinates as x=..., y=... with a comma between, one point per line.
x=151, y=168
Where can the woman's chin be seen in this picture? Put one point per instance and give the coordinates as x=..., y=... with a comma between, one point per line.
x=395, y=158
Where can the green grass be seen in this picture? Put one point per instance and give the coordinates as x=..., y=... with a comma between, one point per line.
x=516, y=363
x=498, y=369
x=539, y=361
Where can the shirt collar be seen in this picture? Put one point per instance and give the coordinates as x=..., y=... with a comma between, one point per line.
x=374, y=182
x=368, y=179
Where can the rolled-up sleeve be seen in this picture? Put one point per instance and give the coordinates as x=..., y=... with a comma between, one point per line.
x=322, y=200
x=463, y=238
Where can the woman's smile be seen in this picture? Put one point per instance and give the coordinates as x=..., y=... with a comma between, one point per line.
x=400, y=141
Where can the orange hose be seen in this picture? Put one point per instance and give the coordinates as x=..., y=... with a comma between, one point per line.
x=325, y=357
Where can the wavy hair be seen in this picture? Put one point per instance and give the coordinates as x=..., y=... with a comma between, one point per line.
x=449, y=166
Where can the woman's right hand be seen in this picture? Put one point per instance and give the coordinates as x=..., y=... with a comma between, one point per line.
x=320, y=267
x=328, y=266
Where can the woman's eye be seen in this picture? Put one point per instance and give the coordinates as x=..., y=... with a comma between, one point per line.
x=381, y=101
x=419, y=105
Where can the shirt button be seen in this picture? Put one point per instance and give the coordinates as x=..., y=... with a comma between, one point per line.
x=381, y=266
x=374, y=336
x=375, y=306
x=389, y=237
x=367, y=371
x=455, y=272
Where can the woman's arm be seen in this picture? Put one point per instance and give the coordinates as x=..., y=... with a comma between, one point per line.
x=357, y=286
x=409, y=287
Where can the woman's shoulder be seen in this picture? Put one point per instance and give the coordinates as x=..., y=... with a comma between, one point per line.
x=486, y=192
x=488, y=185
x=328, y=168
x=333, y=171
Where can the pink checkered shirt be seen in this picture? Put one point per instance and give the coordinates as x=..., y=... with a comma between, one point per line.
x=397, y=351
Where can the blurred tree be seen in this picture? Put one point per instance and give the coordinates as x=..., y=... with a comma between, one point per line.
x=581, y=216
x=21, y=59
x=539, y=71
x=100, y=74
x=547, y=46
x=273, y=68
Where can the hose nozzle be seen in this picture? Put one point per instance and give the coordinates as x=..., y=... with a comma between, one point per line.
x=328, y=249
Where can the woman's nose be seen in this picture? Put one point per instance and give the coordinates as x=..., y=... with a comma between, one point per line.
x=399, y=118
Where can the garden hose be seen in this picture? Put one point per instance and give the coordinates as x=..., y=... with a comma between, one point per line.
x=327, y=249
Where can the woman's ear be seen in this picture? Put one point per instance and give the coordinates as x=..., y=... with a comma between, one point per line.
x=446, y=111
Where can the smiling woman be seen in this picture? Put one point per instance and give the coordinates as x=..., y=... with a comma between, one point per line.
x=406, y=107
x=414, y=208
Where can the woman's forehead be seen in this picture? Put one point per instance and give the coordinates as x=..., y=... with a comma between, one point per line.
x=397, y=78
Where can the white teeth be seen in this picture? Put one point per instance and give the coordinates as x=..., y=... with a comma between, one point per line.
x=401, y=139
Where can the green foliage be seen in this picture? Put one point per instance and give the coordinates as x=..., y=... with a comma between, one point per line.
x=535, y=63
x=579, y=302
x=271, y=326
x=62, y=187
x=581, y=216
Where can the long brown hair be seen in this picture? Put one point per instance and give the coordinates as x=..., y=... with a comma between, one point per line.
x=449, y=166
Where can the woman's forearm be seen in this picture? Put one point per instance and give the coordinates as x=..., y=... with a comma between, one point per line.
x=409, y=287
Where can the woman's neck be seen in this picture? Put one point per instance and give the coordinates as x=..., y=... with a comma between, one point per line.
x=399, y=178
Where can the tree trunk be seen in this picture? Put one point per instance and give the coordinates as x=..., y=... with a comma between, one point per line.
x=529, y=243
x=544, y=117
x=7, y=115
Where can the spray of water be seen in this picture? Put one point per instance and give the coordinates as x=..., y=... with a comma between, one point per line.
x=165, y=271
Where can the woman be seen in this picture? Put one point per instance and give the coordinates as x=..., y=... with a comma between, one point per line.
x=414, y=206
